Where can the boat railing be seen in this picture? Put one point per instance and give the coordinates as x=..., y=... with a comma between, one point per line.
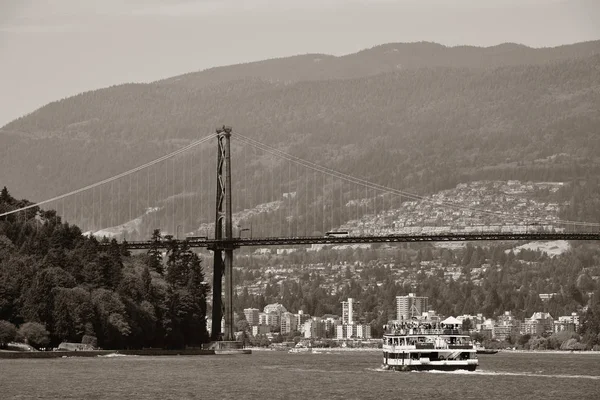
x=426, y=331
x=460, y=346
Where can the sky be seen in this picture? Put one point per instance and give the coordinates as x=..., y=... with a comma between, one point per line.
x=51, y=49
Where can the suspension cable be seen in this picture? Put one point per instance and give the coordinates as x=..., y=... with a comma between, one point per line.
x=340, y=175
x=113, y=178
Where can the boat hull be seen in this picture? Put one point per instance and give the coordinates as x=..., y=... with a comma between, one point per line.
x=431, y=367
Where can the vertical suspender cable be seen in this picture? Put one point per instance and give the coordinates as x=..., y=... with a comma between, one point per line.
x=112, y=203
x=130, y=196
x=183, y=197
x=272, y=197
x=148, y=199
x=166, y=197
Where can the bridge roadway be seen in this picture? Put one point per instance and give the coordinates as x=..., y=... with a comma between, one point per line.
x=305, y=240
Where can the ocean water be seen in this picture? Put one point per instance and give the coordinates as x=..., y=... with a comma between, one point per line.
x=279, y=375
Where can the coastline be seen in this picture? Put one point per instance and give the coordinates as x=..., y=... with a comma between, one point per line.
x=319, y=349
x=500, y=351
x=549, y=351
x=104, y=353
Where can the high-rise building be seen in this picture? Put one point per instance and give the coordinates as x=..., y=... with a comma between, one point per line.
x=288, y=322
x=410, y=306
x=348, y=311
x=251, y=316
x=313, y=328
x=363, y=331
x=301, y=318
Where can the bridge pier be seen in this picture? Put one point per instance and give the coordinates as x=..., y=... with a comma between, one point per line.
x=217, y=290
x=223, y=266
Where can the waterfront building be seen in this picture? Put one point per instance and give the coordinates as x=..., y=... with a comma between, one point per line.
x=301, y=318
x=260, y=330
x=363, y=331
x=545, y=320
x=313, y=328
x=252, y=316
x=410, y=306
x=354, y=331
x=568, y=323
x=289, y=323
x=275, y=307
x=475, y=319
x=272, y=319
x=532, y=327
x=348, y=311
x=345, y=331
x=331, y=322
x=506, y=325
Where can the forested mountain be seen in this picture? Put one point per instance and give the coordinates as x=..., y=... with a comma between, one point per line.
x=448, y=115
x=385, y=58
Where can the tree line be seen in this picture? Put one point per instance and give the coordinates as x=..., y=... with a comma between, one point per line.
x=58, y=285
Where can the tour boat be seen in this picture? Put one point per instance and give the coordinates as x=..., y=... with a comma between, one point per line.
x=424, y=346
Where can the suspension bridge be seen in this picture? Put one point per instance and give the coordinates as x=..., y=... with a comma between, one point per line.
x=274, y=199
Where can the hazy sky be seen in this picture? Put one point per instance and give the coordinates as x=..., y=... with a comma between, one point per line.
x=50, y=49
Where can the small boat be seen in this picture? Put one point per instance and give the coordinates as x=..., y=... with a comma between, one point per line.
x=427, y=347
x=482, y=350
x=300, y=348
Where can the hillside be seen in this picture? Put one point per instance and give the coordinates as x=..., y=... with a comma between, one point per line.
x=385, y=58
x=449, y=115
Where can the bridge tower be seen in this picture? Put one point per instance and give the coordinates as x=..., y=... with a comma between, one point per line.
x=223, y=248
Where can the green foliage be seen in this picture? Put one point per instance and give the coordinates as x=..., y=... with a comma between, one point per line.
x=55, y=278
x=90, y=340
x=34, y=334
x=590, y=326
x=8, y=332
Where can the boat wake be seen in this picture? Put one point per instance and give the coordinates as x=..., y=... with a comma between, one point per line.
x=114, y=355
x=380, y=369
x=502, y=373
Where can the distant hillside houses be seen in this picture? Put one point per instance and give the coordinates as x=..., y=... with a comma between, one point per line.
x=510, y=207
x=276, y=319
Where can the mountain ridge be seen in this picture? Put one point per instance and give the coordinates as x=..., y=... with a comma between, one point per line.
x=525, y=54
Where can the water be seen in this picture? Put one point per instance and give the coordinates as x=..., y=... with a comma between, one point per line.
x=279, y=375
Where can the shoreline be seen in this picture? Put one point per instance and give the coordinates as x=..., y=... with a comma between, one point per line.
x=549, y=351
x=111, y=353
x=500, y=351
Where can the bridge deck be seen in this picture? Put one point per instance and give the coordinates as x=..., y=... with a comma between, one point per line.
x=306, y=240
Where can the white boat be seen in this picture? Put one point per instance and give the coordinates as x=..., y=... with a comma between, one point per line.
x=428, y=348
x=300, y=348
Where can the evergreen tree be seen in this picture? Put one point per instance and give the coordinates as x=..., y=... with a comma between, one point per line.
x=154, y=255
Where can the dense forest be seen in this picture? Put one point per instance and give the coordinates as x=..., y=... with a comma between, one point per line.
x=519, y=113
x=57, y=285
